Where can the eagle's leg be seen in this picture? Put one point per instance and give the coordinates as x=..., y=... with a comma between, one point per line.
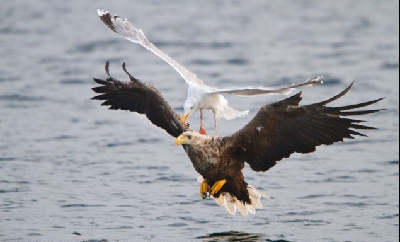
x=217, y=186
x=202, y=129
x=204, y=189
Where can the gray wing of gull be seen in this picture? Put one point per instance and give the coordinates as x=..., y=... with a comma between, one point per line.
x=127, y=30
x=256, y=91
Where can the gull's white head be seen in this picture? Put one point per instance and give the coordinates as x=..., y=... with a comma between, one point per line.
x=190, y=106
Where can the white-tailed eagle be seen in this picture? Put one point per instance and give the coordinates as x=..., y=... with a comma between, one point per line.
x=276, y=132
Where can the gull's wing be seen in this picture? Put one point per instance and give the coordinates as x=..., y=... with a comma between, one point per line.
x=284, y=128
x=138, y=97
x=255, y=91
x=126, y=29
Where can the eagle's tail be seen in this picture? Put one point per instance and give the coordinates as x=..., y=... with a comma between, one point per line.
x=245, y=205
x=232, y=204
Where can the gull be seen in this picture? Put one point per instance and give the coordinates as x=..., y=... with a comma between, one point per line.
x=200, y=97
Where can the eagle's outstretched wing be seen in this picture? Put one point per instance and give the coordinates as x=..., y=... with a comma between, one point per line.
x=256, y=91
x=284, y=128
x=136, y=96
x=127, y=30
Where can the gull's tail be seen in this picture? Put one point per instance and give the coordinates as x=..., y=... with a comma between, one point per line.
x=230, y=113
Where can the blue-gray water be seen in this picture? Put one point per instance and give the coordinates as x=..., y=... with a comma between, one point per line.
x=71, y=170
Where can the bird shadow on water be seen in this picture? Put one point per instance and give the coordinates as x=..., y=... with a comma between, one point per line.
x=234, y=236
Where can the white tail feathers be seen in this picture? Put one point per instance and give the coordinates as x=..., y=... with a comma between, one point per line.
x=232, y=204
x=230, y=113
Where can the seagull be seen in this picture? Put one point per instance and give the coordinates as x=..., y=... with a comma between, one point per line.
x=277, y=131
x=200, y=96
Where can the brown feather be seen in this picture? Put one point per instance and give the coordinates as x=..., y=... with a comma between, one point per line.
x=284, y=128
x=141, y=98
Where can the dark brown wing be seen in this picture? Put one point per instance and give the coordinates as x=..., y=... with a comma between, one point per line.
x=284, y=128
x=136, y=96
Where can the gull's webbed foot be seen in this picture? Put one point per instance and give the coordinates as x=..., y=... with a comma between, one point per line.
x=217, y=187
x=204, y=189
x=202, y=131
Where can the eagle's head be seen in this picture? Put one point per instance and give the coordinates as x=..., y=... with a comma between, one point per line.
x=191, y=138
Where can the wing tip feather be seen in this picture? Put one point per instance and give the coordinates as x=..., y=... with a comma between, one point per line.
x=100, y=12
x=344, y=92
x=125, y=70
x=99, y=81
x=107, y=68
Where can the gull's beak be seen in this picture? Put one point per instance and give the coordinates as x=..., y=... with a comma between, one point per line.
x=185, y=118
x=181, y=140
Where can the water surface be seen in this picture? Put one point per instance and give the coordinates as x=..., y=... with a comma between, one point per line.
x=70, y=170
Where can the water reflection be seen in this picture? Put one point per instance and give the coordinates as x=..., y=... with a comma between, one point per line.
x=232, y=236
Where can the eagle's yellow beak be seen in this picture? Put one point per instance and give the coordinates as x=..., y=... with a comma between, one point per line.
x=181, y=140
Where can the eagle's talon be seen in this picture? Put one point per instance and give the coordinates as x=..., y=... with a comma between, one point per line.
x=204, y=190
x=218, y=186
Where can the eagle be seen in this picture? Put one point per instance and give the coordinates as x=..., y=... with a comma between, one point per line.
x=277, y=131
x=200, y=96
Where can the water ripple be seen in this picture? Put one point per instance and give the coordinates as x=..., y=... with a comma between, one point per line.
x=237, y=61
x=72, y=81
x=394, y=162
x=390, y=65
x=14, y=182
x=315, y=196
x=95, y=240
x=118, y=144
x=348, y=204
x=21, y=98
x=392, y=216
x=82, y=205
x=7, y=159
x=9, y=79
x=12, y=190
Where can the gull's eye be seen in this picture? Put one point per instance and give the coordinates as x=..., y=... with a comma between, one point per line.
x=189, y=137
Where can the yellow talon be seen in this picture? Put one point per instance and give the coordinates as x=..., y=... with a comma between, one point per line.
x=204, y=189
x=217, y=187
